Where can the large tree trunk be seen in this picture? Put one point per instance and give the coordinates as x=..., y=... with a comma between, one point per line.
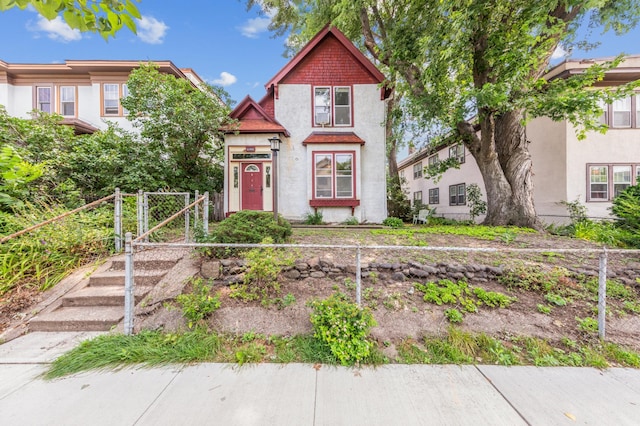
x=503, y=158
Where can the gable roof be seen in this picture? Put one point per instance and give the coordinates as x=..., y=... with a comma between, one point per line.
x=327, y=31
x=252, y=118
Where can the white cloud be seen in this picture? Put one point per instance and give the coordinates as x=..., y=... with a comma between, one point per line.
x=255, y=26
x=150, y=30
x=559, y=53
x=56, y=29
x=226, y=79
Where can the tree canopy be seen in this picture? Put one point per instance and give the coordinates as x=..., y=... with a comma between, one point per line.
x=475, y=69
x=105, y=17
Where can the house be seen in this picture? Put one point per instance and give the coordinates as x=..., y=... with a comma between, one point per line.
x=591, y=171
x=327, y=106
x=85, y=92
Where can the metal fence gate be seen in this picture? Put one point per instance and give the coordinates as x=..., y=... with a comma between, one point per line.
x=156, y=207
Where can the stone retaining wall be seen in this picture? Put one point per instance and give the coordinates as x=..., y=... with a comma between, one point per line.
x=231, y=271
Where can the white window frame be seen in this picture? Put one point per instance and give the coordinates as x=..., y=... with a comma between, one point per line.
x=621, y=109
x=114, y=101
x=39, y=101
x=417, y=170
x=593, y=182
x=341, y=107
x=619, y=185
x=64, y=100
x=335, y=176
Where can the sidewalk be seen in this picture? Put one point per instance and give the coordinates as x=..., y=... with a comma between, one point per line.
x=298, y=394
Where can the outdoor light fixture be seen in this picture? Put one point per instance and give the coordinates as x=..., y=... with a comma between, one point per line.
x=275, y=147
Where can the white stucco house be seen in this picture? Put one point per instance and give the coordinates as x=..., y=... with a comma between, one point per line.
x=592, y=171
x=85, y=92
x=327, y=106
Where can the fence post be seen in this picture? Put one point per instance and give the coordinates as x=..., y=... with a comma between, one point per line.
x=117, y=223
x=187, y=197
x=358, y=276
x=196, y=213
x=205, y=214
x=128, y=285
x=139, y=208
x=602, y=294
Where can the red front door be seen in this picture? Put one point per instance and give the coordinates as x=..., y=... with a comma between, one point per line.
x=251, y=186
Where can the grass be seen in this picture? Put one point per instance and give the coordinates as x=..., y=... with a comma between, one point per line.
x=475, y=231
x=154, y=348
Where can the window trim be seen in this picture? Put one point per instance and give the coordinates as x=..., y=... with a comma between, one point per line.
x=334, y=175
x=455, y=148
x=434, y=196
x=121, y=110
x=36, y=97
x=332, y=106
x=60, y=101
x=417, y=172
x=458, y=194
x=433, y=160
x=607, y=114
x=417, y=196
x=635, y=178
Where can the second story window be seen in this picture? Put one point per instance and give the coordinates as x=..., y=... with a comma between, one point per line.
x=68, y=101
x=622, y=112
x=457, y=151
x=111, y=99
x=417, y=170
x=332, y=106
x=43, y=99
x=433, y=160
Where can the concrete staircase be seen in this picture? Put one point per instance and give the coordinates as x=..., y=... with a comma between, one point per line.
x=97, y=304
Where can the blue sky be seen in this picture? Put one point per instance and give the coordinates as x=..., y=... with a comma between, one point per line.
x=222, y=41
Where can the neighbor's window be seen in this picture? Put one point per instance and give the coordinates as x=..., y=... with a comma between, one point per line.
x=433, y=160
x=417, y=170
x=322, y=106
x=621, y=179
x=43, y=99
x=125, y=93
x=434, y=196
x=111, y=99
x=622, y=112
x=598, y=182
x=457, y=151
x=457, y=195
x=333, y=175
x=417, y=197
x=67, y=101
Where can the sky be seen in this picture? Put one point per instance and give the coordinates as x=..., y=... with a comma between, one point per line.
x=219, y=39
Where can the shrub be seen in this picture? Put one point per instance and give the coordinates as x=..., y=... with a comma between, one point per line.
x=477, y=205
x=344, y=327
x=351, y=221
x=198, y=304
x=393, y=222
x=453, y=315
x=313, y=218
x=626, y=207
x=248, y=227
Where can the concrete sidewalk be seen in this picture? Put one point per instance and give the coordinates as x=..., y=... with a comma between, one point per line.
x=299, y=394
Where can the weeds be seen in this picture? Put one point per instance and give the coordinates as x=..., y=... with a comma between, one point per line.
x=198, y=304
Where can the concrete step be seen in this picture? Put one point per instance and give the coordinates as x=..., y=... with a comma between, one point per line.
x=116, y=278
x=102, y=296
x=145, y=264
x=87, y=318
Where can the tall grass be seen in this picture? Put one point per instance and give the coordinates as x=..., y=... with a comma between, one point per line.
x=43, y=257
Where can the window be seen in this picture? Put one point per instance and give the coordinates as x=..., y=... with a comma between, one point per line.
x=111, y=99
x=457, y=195
x=417, y=170
x=622, y=112
x=125, y=93
x=434, y=196
x=267, y=173
x=457, y=151
x=433, y=160
x=322, y=107
x=68, y=101
x=334, y=175
x=598, y=182
x=417, y=198
x=343, y=106
x=621, y=179
x=604, y=118
x=637, y=174
x=323, y=101
x=43, y=99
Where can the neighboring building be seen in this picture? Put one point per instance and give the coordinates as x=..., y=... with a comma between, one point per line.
x=592, y=171
x=327, y=105
x=86, y=93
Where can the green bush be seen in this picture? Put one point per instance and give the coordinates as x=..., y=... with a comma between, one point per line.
x=344, y=327
x=199, y=303
x=393, y=222
x=626, y=207
x=314, y=218
x=248, y=227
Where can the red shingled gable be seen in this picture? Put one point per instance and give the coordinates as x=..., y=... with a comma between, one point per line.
x=333, y=137
x=252, y=118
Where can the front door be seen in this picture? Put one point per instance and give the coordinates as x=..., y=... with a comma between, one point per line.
x=251, y=186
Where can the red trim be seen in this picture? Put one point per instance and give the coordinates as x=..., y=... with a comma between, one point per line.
x=333, y=178
x=333, y=137
x=331, y=202
x=245, y=107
